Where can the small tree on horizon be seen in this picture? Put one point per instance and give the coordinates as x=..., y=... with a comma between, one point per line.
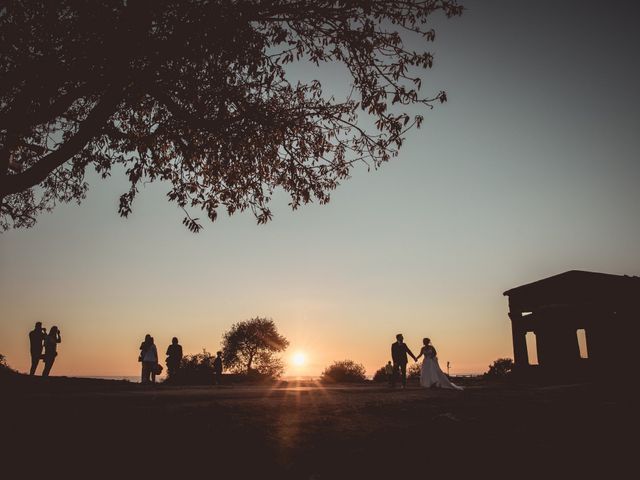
x=344, y=371
x=251, y=346
x=501, y=368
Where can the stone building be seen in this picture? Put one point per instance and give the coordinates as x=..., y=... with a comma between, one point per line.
x=601, y=308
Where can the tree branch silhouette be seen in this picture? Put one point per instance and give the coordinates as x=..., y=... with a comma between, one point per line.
x=198, y=94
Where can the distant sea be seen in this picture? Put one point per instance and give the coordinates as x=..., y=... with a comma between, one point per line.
x=136, y=378
x=133, y=379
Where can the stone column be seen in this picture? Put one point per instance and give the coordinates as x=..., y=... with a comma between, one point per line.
x=518, y=332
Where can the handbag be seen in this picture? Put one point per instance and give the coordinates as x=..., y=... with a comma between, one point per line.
x=158, y=369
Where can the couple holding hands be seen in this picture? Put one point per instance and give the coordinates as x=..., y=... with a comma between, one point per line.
x=431, y=375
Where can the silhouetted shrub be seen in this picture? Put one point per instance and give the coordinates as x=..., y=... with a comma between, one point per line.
x=501, y=368
x=380, y=375
x=194, y=370
x=344, y=371
x=198, y=370
x=4, y=368
x=413, y=372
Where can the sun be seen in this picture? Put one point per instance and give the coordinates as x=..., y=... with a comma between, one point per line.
x=298, y=359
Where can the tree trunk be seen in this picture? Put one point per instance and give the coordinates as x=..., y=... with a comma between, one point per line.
x=249, y=364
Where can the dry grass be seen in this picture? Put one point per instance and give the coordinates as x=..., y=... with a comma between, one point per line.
x=313, y=431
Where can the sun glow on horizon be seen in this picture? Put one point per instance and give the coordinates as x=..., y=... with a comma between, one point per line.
x=298, y=359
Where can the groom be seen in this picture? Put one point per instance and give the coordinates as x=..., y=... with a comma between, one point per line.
x=399, y=351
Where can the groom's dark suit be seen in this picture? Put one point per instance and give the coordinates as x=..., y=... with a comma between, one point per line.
x=399, y=352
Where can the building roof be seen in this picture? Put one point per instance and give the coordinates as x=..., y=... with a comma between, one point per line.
x=576, y=287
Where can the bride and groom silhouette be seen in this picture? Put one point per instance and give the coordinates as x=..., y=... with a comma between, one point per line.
x=431, y=375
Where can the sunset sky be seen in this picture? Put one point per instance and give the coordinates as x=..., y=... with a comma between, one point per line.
x=532, y=168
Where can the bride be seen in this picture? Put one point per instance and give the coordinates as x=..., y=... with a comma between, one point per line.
x=430, y=373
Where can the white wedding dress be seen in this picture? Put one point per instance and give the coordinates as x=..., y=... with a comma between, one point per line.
x=430, y=373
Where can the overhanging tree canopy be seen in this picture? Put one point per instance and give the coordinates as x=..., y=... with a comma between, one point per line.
x=196, y=93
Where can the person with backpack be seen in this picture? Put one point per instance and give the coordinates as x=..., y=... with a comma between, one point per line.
x=149, y=358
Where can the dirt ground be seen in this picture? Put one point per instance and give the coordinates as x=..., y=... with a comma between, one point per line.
x=81, y=427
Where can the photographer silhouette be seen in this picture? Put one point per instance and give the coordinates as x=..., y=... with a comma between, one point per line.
x=36, y=341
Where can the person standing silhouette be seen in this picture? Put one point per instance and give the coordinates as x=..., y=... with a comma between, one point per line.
x=174, y=357
x=388, y=371
x=217, y=368
x=399, y=352
x=149, y=359
x=51, y=349
x=36, y=341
